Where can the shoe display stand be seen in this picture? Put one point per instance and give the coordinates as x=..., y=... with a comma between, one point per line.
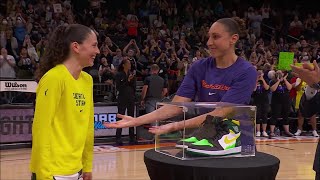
x=220, y=148
x=259, y=167
x=231, y=135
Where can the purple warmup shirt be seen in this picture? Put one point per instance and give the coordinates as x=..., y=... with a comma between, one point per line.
x=205, y=82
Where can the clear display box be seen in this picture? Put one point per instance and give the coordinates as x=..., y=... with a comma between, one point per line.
x=201, y=130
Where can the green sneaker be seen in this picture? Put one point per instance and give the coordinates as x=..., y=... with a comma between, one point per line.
x=207, y=129
x=226, y=142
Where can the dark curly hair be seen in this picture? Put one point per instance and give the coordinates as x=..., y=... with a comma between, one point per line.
x=58, y=47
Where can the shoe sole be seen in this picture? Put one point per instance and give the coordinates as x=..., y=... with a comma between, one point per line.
x=217, y=153
x=181, y=146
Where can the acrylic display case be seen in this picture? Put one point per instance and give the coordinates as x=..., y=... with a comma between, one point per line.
x=197, y=130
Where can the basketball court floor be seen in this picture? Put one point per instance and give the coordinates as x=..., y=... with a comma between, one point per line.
x=126, y=162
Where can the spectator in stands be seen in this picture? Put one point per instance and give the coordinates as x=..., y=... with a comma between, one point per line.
x=296, y=27
x=133, y=55
x=126, y=87
x=183, y=49
x=282, y=46
x=168, y=47
x=154, y=89
x=117, y=59
x=197, y=57
x=11, y=44
x=163, y=63
x=280, y=102
x=7, y=65
x=132, y=26
x=106, y=53
x=253, y=59
x=255, y=22
x=260, y=99
x=106, y=72
x=32, y=53
x=173, y=72
x=293, y=48
x=109, y=46
x=26, y=65
x=63, y=118
x=219, y=9
x=184, y=67
x=20, y=29
x=155, y=50
x=316, y=51
x=40, y=46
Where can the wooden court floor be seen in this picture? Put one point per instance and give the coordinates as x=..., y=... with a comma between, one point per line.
x=121, y=163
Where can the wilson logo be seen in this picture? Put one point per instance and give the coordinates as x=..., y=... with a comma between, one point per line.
x=15, y=85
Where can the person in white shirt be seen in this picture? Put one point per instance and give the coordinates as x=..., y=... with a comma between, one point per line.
x=198, y=56
x=7, y=65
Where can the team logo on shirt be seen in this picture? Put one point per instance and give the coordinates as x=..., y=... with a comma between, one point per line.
x=221, y=87
x=259, y=89
x=80, y=99
x=281, y=89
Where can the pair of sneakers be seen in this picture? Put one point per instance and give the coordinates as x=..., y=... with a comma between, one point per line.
x=264, y=134
x=314, y=133
x=215, y=137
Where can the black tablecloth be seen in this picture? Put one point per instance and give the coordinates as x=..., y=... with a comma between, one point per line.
x=260, y=167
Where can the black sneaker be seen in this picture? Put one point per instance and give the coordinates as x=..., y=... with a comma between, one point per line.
x=207, y=129
x=226, y=142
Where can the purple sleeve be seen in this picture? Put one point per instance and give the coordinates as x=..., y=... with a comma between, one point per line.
x=188, y=86
x=241, y=90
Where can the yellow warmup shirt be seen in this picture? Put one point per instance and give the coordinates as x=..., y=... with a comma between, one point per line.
x=300, y=91
x=62, y=131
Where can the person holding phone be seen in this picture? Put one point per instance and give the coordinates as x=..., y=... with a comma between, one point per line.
x=260, y=99
x=280, y=102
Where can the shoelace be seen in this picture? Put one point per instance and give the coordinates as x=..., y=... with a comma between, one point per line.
x=221, y=129
x=206, y=128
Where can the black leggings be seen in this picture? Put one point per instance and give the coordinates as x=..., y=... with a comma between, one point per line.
x=280, y=109
x=262, y=113
x=122, y=107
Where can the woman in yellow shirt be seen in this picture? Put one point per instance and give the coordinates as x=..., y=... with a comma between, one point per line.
x=63, y=132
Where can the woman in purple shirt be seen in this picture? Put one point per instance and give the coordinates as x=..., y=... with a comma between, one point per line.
x=223, y=77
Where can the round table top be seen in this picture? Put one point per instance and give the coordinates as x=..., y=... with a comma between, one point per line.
x=257, y=161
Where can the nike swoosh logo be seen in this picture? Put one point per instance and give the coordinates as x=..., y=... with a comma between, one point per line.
x=229, y=141
x=210, y=93
x=45, y=92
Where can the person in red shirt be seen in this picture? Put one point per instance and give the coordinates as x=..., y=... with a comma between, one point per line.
x=132, y=26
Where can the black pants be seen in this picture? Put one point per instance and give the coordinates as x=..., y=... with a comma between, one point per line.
x=262, y=113
x=280, y=109
x=124, y=105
